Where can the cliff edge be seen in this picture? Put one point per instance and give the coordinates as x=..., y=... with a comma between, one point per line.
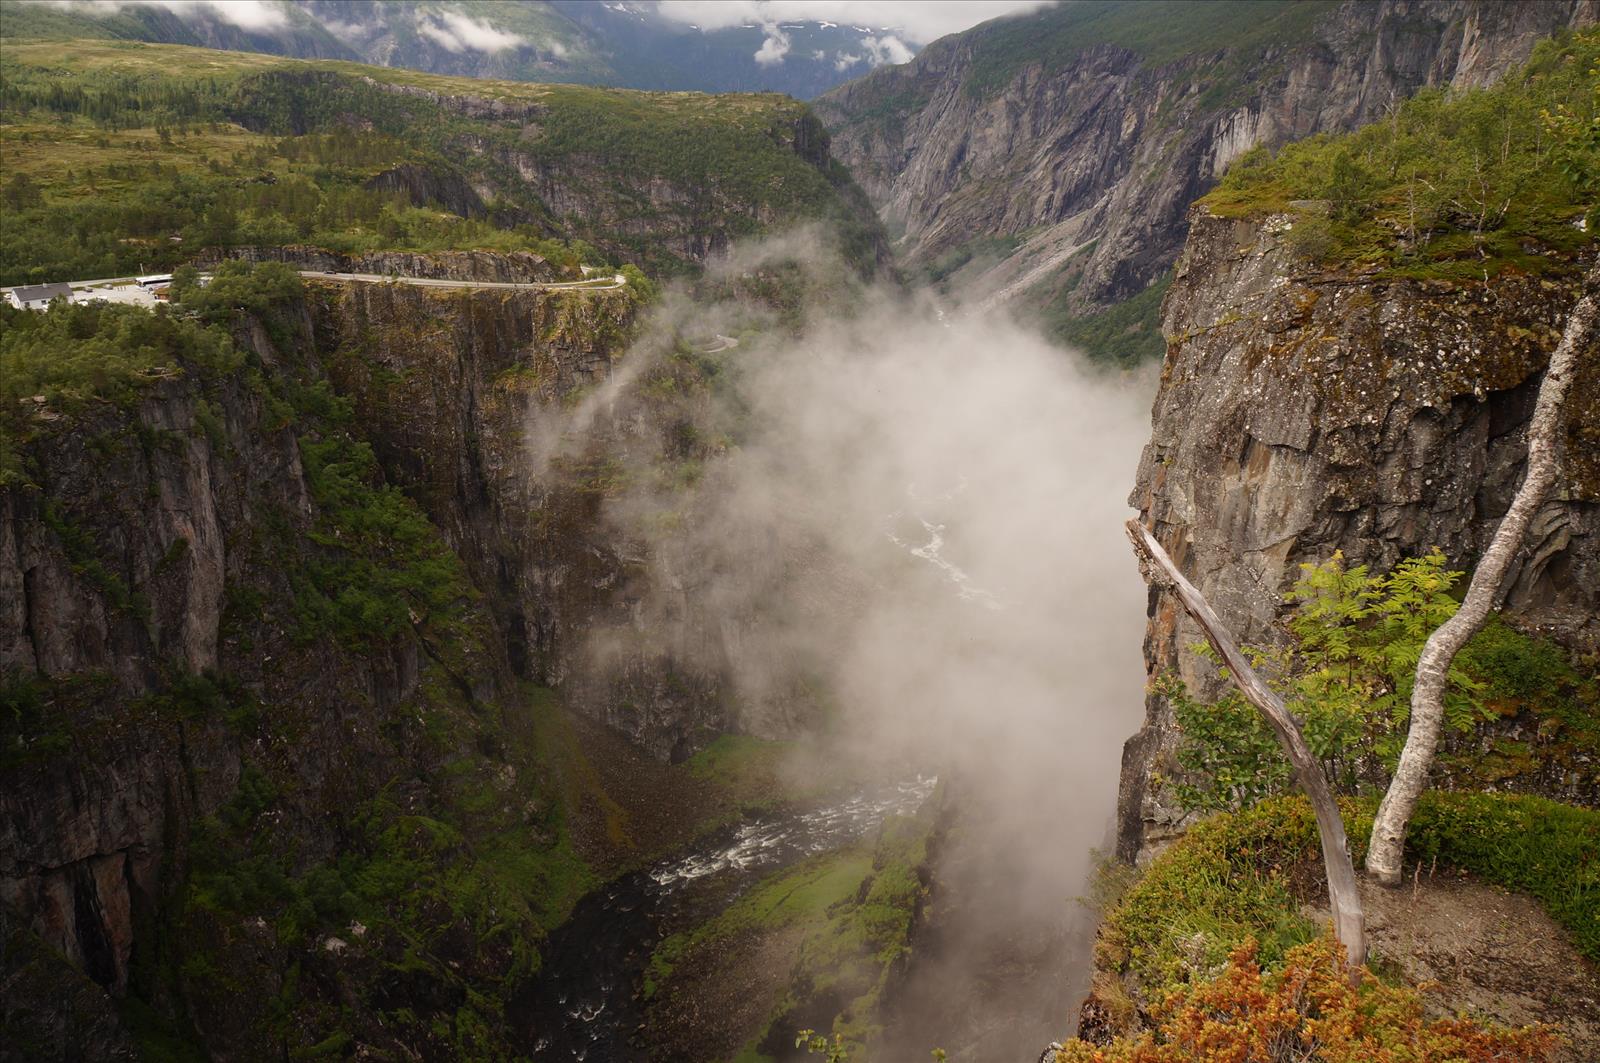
x=1306, y=410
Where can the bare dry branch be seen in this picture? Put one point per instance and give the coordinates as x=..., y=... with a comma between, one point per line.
x=1343, y=894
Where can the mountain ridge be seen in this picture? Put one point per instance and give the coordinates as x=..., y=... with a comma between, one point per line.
x=623, y=44
x=1060, y=180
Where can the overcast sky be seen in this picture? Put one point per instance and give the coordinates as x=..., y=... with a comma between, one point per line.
x=914, y=20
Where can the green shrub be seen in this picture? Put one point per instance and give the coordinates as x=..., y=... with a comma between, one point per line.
x=31, y=727
x=386, y=567
x=1238, y=876
x=78, y=352
x=254, y=287
x=1346, y=673
x=1227, y=880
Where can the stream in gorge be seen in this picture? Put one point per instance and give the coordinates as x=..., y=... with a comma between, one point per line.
x=587, y=1003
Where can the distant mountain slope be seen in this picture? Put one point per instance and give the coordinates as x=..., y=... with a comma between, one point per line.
x=627, y=44
x=1050, y=158
x=122, y=155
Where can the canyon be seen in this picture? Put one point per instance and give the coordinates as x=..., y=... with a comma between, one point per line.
x=373, y=651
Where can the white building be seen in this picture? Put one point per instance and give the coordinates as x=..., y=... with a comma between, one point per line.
x=38, y=296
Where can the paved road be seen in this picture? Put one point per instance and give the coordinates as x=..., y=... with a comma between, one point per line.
x=718, y=344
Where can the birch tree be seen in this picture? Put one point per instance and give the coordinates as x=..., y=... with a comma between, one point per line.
x=1385, y=853
x=1344, y=896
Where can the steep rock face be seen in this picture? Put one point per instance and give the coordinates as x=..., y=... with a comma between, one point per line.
x=695, y=216
x=1089, y=163
x=423, y=187
x=455, y=389
x=1302, y=413
x=196, y=734
x=82, y=837
x=135, y=555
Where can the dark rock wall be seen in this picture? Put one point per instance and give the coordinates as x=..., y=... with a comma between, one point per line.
x=150, y=547
x=519, y=267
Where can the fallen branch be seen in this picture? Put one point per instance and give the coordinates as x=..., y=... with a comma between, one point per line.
x=1344, y=896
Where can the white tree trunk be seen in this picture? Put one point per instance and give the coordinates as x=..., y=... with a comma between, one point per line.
x=1385, y=853
x=1344, y=896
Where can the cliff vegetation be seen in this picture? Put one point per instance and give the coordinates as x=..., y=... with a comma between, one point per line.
x=270, y=787
x=1451, y=185
x=1251, y=880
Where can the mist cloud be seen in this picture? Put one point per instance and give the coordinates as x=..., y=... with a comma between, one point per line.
x=773, y=47
x=257, y=16
x=456, y=32
x=878, y=51
x=918, y=514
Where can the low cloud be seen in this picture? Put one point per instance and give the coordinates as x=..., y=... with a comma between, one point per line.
x=456, y=32
x=899, y=525
x=879, y=51
x=886, y=49
x=774, y=47
x=347, y=31
x=257, y=16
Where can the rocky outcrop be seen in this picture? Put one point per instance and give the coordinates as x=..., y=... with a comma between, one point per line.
x=465, y=104
x=694, y=217
x=1303, y=412
x=133, y=548
x=422, y=186
x=1088, y=160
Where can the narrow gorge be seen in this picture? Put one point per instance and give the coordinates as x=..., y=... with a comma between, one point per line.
x=517, y=571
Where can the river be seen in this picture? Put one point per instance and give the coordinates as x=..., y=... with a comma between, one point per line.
x=587, y=1003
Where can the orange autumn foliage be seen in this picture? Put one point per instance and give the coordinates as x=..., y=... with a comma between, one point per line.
x=1309, y=1012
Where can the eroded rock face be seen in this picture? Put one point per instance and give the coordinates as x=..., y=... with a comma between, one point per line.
x=117, y=561
x=1092, y=165
x=453, y=388
x=1303, y=412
